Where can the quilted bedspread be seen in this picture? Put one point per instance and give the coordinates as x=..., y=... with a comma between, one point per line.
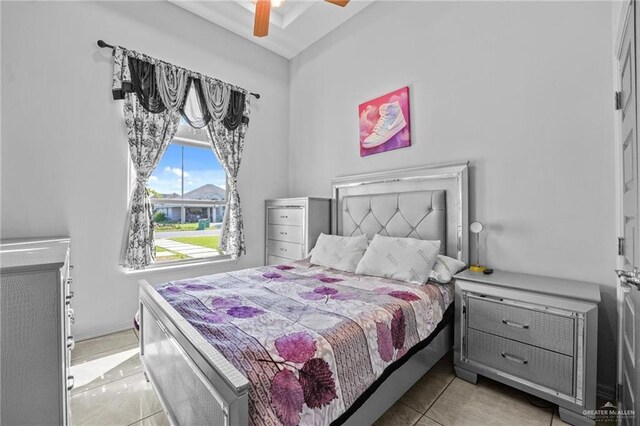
x=309, y=339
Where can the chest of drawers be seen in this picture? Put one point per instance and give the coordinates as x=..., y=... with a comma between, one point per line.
x=293, y=226
x=35, y=335
x=537, y=334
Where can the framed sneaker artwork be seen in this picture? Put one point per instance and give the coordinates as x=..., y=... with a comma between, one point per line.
x=384, y=123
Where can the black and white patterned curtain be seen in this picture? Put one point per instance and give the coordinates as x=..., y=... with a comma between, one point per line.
x=156, y=95
x=149, y=135
x=227, y=140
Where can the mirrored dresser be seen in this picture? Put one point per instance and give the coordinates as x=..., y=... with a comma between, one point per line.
x=293, y=225
x=34, y=331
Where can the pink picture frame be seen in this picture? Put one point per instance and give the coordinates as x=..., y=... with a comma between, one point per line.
x=385, y=123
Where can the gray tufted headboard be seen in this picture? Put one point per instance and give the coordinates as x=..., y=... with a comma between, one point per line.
x=415, y=214
x=428, y=203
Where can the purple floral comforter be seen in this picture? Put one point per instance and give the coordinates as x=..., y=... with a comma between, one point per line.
x=309, y=339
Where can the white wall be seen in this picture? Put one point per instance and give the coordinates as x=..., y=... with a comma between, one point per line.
x=522, y=90
x=64, y=151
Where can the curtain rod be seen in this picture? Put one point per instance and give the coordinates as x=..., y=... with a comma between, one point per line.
x=102, y=44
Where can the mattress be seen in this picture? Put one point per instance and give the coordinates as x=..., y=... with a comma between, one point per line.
x=311, y=340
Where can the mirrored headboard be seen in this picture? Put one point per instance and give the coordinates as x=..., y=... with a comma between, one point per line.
x=429, y=203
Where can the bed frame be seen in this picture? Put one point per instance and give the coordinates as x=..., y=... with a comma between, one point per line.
x=197, y=385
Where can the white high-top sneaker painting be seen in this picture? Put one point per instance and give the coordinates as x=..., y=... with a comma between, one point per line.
x=384, y=123
x=391, y=121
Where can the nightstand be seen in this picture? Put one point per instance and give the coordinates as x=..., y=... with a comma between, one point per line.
x=537, y=334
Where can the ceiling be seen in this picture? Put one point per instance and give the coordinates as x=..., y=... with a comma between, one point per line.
x=294, y=26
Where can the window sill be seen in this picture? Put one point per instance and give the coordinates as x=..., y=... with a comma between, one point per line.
x=181, y=265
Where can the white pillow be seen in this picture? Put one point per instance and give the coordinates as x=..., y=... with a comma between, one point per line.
x=343, y=253
x=403, y=259
x=445, y=268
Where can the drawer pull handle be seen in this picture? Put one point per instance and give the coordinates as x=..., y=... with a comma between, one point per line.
x=515, y=324
x=283, y=249
x=71, y=344
x=283, y=233
x=73, y=382
x=514, y=358
x=284, y=217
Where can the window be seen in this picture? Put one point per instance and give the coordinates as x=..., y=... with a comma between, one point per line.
x=188, y=195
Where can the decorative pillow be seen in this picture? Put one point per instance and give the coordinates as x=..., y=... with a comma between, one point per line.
x=445, y=268
x=337, y=252
x=403, y=259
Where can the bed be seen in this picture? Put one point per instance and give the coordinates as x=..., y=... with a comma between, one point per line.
x=301, y=344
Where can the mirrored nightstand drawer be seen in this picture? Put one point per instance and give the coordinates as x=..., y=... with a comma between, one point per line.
x=546, y=368
x=535, y=327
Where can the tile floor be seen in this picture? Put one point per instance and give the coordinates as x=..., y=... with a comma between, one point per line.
x=111, y=390
x=110, y=387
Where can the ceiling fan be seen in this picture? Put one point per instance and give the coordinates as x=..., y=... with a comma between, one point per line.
x=263, y=11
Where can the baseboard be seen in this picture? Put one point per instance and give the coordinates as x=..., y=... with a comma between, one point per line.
x=102, y=330
x=605, y=392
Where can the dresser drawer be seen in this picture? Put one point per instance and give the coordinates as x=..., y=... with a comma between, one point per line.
x=283, y=249
x=277, y=260
x=542, y=329
x=292, y=234
x=546, y=368
x=285, y=216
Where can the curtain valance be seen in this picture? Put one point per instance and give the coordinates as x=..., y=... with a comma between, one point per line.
x=162, y=86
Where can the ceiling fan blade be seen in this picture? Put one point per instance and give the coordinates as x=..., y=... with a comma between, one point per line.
x=341, y=3
x=261, y=21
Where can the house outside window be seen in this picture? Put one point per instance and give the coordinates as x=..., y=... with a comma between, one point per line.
x=188, y=193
